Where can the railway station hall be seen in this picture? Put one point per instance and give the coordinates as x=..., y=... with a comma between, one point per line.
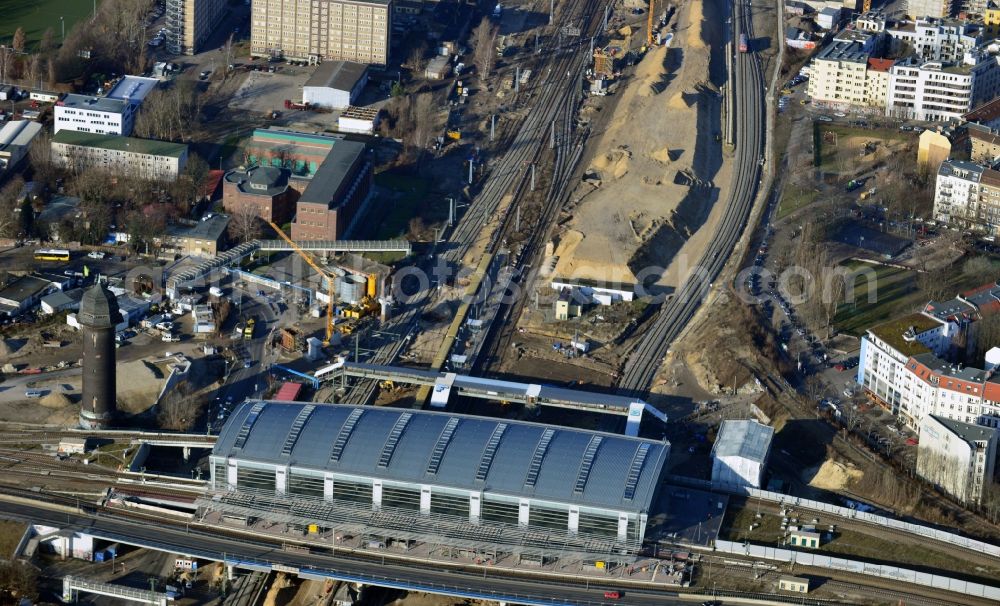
x=410, y=476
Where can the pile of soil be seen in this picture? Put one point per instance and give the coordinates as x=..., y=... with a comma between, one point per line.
x=55, y=400
x=832, y=475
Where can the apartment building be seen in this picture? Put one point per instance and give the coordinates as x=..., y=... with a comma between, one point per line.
x=116, y=155
x=991, y=20
x=318, y=30
x=938, y=91
x=984, y=144
x=838, y=74
x=936, y=39
x=190, y=23
x=959, y=457
x=904, y=364
x=885, y=350
x=967, y=195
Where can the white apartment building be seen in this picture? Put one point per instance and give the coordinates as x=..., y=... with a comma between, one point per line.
x=872, y=22
x=958, y=457
x=885, y=350
x=937, y=39
x=956, y=189
x=936, y=91
x=838, y=74
x=119, y=155
x=318, y=30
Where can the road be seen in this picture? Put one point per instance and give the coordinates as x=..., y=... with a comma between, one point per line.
x=404, y=575
x=749, y=95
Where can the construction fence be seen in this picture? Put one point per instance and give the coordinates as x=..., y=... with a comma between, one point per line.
x=847, y=512
x=856, y=567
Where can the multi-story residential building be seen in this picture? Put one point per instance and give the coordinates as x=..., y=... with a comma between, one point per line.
x=113, y=114
x=877, y=82
x=885, y=350
x=967, y=195
x=334, y=196
x=991, y=20
x=116, y=155
x=984, y=144
x=904, y=364
x=838, y=74
x=936, y=39
x=190, y=22
x=871, y=21
x=959, y=457
x=937, y=91
x=317, y=30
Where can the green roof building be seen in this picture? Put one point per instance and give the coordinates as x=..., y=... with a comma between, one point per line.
x=148, y=158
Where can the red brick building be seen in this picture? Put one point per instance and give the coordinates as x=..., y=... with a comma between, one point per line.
x=265, y=188
x=334, y=196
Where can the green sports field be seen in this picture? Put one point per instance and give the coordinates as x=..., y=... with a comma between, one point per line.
x=35, y=16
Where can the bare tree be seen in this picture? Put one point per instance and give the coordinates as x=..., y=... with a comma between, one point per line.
x=10, y=220
x=19, y=39
x=179, y=408
x=51, y=80
x=6, y=64
x=229, y=58
x=34, y=75
x=484, y=47
x=415, y=62
x=244, y=223
x=47, y=43
x=422, y=119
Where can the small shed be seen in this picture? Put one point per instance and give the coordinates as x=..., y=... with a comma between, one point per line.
x=438, y=68
x=335, y=84
x=362, y=120
x=793, y=584
x=805, y=536
x=73, y=446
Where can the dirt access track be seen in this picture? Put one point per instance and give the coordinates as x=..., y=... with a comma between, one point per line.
x=656, y=163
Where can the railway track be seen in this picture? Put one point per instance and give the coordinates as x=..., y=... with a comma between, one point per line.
x=556, y=73
x=645, y=360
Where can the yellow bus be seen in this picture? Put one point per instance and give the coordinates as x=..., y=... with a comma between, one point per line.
x=51, y=254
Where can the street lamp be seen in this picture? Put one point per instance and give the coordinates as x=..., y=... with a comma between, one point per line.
x=62, y=24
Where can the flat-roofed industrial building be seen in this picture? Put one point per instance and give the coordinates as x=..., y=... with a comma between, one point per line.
x=437, y=477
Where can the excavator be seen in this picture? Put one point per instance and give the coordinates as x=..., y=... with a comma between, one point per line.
x=330, y=280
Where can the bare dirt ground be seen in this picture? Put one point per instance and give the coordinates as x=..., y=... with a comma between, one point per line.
x=656, y=166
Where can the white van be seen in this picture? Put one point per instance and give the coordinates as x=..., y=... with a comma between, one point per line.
x=33, y=393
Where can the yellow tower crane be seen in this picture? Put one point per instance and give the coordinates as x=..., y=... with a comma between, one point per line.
x=323, y=274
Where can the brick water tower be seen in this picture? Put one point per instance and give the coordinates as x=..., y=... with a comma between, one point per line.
x=98, y=317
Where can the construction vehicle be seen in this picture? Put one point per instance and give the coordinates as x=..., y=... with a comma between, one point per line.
x=454, y=135
x=248, y=329
x=330, y=280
